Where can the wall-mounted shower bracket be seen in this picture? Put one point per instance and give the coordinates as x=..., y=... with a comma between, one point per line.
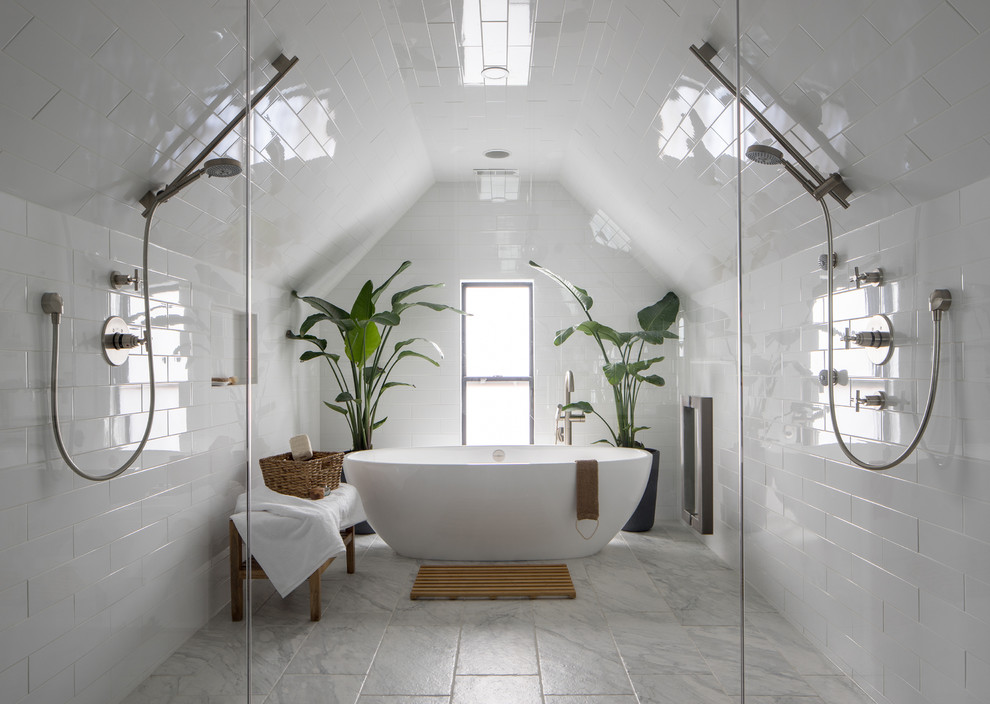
x=833, y=184
x=118, y=341
x=878, y=342
x=817, y=185
x=824, y=377
x=871, y=278
x=118, y=280
x=877, y=400
x=823, y=261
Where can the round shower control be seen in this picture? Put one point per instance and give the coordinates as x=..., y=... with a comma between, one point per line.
x=117, y=341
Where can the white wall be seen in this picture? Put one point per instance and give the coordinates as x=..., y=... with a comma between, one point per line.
x=450, y=236
x=99, y=582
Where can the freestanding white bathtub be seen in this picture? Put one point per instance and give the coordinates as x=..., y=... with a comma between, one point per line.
x=464, y=503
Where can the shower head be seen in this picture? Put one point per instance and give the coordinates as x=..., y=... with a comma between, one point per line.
x=763, y=154
x=222, y=167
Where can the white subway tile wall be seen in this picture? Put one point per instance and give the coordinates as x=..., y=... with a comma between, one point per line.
x=100, y=582
x=885, y=572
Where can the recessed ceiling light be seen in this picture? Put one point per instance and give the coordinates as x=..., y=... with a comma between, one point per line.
x=495, y=72
x=497, y=153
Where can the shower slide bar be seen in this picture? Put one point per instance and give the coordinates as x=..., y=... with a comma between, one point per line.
x=282, y=65
x=820, y=186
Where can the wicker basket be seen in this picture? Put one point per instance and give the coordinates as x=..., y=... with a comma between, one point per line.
x=296, y=477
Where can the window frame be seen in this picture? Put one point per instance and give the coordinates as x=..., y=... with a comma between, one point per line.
x=528, y=285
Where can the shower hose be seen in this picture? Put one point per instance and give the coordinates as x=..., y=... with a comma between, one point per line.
x=151, y=374
x=932, y=388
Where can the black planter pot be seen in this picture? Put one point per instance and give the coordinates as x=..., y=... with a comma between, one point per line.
x=643, y=517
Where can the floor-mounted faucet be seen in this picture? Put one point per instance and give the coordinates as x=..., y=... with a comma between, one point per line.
x=565, y=418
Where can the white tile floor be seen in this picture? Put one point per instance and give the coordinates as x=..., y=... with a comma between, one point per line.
x=655, y=622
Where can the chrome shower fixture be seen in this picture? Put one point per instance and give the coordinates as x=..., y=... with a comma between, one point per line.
x=769, y=156
x=816, y=184
x=117, y=338
x=221, y=167
x=766, y=155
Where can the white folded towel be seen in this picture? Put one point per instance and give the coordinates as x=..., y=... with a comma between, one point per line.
x=291, y=537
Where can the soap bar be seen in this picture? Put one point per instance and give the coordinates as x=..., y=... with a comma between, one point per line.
x=300, y=448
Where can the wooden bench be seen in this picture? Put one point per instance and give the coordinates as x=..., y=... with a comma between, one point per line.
x=239, y=572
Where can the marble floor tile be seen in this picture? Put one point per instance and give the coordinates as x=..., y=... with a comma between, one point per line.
x=577, y=658
x=506, y=647
x=655, y=622
x=591, y=699
x=340, y=644
x=316, y=689
x=838, y=690
x=767, y=672
x=679, y=689
x=496, y=689
x=379, y=699
x=796, y=649
x=653, y=644
x=414, y=660
x=625, y=589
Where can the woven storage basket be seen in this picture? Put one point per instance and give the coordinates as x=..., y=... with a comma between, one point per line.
x=296, y=477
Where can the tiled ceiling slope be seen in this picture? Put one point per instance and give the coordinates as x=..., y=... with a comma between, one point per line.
x=103, y=98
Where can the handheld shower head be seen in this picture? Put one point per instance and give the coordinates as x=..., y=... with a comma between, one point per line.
x=222, y=167
x=766, y=155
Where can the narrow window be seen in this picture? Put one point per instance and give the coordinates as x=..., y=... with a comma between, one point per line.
x=497, y=363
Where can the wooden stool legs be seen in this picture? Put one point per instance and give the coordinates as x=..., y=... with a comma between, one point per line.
x=239, y=572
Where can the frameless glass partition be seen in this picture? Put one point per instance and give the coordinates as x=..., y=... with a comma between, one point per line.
x=122, y=222
x=856, y=288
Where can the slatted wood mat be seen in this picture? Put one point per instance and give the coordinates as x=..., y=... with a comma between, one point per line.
x=492, y=581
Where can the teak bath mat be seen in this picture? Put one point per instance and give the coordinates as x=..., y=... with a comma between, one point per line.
x=492, y=582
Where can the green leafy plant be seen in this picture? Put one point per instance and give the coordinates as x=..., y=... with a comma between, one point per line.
x=625, y=368
x=363, y=374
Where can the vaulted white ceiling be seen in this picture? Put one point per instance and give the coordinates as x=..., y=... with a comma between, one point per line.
x=103, y=99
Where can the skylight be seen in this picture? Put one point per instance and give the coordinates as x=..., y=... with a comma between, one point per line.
x=496, y=33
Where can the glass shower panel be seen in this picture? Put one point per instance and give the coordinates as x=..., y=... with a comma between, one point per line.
x=114, y=196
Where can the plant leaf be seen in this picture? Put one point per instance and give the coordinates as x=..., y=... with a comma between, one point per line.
x=378, y=291
x=318, y=341
x=363, y=307
x=603, y=441
x=651, y=336
x=385, y=318
x=413, y=353
x=313, y=354
x=402, y=295
x=371, y=373
x=562, y=336
x=361, y=342
x=390, y=384
x=343, y=397
x=580, y=406
x=326, y=307
x=579, y=293
x=660, y=315
x=342, y=411
x=614, y=372
x=596, y=329
x=379, y=423
x=641, y=427
x=311, y=321
x=397, y=309
x=652, y=379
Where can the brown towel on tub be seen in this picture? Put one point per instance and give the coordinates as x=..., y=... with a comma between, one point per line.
x=587, y=490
